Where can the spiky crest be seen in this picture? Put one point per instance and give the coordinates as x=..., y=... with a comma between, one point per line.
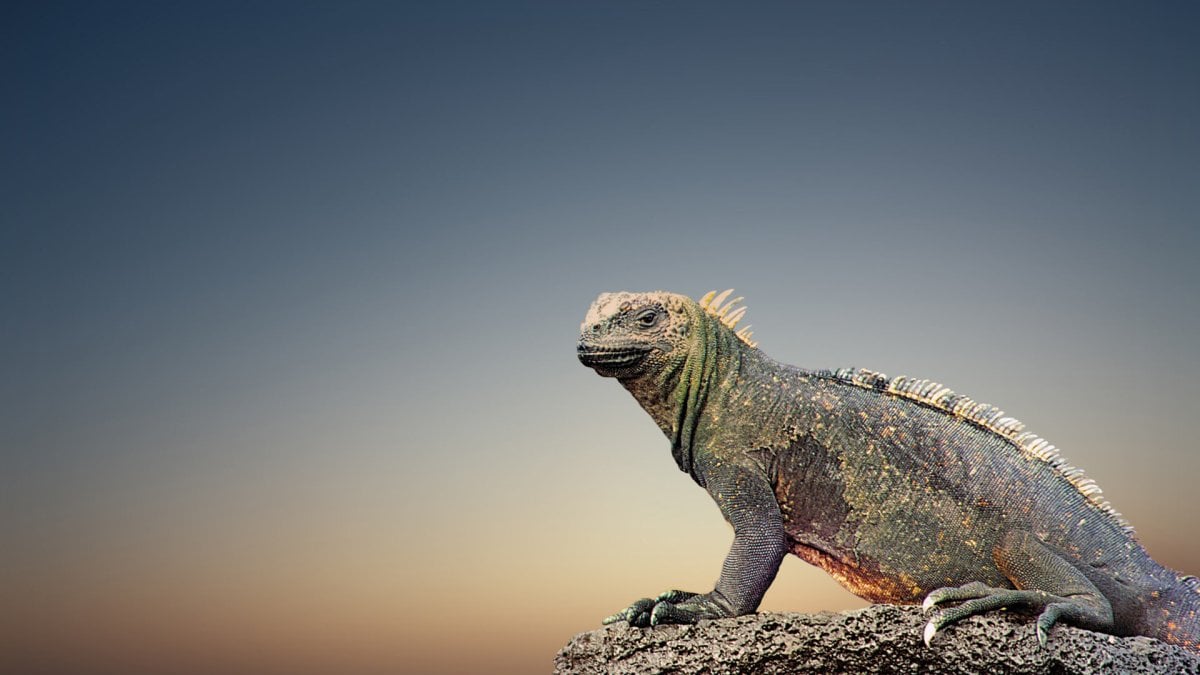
x=728, y=314
x=988, y=417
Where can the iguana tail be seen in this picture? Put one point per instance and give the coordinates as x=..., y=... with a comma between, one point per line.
x=1175, y=617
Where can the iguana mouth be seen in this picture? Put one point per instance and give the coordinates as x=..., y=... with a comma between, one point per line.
x=611, y=358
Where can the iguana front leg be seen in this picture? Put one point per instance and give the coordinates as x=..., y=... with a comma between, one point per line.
x=1044, y=581
x=759, y=544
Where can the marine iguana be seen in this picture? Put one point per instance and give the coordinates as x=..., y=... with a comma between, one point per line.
x=901, y=489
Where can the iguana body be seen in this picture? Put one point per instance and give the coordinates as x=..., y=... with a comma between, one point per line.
x=900, y=489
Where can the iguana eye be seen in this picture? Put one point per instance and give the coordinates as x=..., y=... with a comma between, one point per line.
x=647, y=319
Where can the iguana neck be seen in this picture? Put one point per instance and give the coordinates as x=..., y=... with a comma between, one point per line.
x=677, y=396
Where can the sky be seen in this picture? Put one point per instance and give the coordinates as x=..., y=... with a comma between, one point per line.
x=291, y=293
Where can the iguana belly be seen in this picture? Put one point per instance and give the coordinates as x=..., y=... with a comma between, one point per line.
x=861, y=581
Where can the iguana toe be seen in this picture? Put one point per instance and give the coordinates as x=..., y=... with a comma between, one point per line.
x=970, y=591
x=1046, y=621
x=666, y=612
x=637, y=614
x=676, y=596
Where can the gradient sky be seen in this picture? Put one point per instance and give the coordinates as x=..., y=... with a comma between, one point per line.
x=291, y=292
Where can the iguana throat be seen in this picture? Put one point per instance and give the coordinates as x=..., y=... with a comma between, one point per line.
x=691, y=377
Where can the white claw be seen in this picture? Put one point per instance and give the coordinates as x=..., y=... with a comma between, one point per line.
x=930, y=630
x=928, y=604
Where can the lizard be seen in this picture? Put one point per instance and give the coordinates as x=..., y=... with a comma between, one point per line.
x=901, y=489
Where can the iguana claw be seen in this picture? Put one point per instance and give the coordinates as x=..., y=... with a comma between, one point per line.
x=930, y=631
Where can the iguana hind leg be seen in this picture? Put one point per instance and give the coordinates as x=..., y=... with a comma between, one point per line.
x=1044, y=581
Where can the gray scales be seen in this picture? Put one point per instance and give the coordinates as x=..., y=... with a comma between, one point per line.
x=902, y=490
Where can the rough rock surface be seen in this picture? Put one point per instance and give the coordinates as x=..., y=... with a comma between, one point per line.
x=877, y=639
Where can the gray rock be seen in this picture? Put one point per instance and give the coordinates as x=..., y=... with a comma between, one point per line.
x=878, y=639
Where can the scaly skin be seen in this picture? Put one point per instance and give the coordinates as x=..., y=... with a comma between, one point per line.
x=901, y=490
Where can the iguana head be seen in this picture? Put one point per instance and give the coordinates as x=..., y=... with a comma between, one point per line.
x=634, y=335
x=666, y=349
x=631, y=335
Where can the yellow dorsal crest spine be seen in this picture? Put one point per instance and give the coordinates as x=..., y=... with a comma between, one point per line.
x=728, y=313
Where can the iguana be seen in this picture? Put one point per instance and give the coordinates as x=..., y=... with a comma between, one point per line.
x=901, y=489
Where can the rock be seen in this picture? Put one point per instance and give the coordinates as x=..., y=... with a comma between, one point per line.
x=878, y=639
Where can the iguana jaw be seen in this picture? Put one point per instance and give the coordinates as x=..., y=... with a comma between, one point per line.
x=612, y=360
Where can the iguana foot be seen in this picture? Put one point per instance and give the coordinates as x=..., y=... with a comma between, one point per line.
x=1031, y=565
x=671, y=607
x=980, y=598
